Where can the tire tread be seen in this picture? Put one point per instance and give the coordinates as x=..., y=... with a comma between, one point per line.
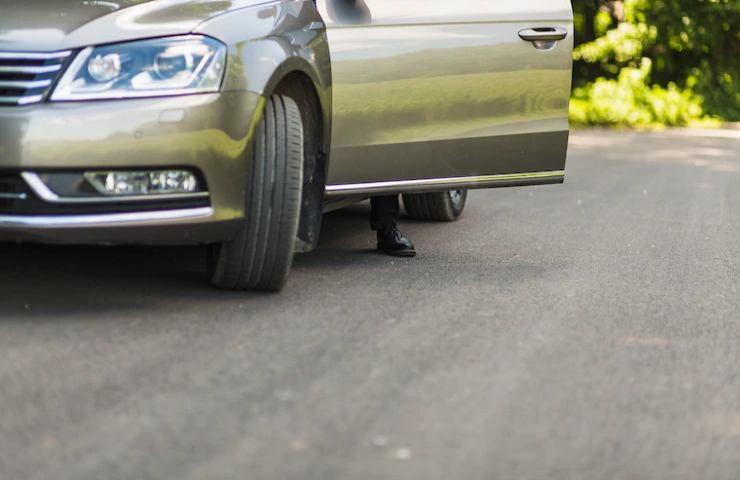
x=435, y=206
x=260, y=256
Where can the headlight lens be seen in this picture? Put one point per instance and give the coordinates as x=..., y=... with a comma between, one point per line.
x=149, y=68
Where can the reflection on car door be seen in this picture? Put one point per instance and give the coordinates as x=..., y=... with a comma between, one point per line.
x=440, y=89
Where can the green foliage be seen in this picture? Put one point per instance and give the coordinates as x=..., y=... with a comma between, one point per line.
x=618, y=46
x=630, y=100
x=642, y=62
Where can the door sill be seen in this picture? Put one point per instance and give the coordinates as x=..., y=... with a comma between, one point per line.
x=452, y=183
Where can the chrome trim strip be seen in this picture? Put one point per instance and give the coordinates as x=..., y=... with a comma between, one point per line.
x=21, y=100
x=46, y=194
x=39, y=187
x=26, y=85
x=30, y=99
x=34, y=55
x=101, y=220
x=31, y=70
x=452, y=183
x=13, y=196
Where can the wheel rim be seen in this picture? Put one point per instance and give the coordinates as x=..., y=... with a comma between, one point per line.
x=456, y=197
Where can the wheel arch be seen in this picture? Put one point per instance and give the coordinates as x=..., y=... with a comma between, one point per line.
x=286, y=52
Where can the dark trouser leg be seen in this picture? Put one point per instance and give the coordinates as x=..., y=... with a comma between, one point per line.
x=386, y=212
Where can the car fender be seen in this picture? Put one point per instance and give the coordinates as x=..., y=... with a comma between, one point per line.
x=282, y=38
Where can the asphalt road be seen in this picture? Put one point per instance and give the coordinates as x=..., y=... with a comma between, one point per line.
x=585, y=331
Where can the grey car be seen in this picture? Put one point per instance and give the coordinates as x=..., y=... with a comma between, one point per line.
x=237, y=124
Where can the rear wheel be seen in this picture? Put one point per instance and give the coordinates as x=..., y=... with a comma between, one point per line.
x=260, y=256
x=439, y=206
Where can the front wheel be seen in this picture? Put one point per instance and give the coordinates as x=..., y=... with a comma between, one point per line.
x=260, y=256
x=439, y=206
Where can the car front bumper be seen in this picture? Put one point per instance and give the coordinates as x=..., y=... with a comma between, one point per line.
x=208, y=133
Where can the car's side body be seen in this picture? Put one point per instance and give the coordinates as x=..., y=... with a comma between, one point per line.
x=397, y=96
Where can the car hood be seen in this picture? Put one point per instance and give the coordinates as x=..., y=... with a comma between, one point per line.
x=48, y=25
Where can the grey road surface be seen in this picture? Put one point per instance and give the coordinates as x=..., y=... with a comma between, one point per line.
x=586, y=331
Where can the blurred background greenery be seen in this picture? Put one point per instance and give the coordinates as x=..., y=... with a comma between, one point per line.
x=656, y=62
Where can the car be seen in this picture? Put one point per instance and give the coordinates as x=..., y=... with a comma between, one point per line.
x=238, y=124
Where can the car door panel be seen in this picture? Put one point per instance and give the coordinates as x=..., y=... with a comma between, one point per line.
x=427, y=89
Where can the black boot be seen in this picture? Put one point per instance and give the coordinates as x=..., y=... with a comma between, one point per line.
x=393, y=243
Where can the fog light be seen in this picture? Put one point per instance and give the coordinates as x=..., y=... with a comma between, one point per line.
x=143, y=183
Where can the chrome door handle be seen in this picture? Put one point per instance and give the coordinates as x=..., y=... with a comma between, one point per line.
x=548, y=34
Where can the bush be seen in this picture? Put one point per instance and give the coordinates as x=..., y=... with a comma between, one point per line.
x=630, y=100
x=647, y=62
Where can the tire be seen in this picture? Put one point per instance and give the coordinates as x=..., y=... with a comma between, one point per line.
x=260, y=256
x=438, y=206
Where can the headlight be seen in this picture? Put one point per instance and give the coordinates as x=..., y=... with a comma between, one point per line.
x=149, y=68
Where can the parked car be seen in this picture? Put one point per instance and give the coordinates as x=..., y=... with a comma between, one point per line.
x=237, y=124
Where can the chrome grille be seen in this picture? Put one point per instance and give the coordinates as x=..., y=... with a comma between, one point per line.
x=26, y=77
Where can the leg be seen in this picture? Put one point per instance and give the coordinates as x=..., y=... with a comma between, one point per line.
x=385, y=213
x=384, y=220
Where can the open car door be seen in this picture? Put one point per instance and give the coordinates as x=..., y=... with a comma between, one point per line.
x=438, y=94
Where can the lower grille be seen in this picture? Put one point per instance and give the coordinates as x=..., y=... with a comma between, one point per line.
x=27, y=77
x=16, y=198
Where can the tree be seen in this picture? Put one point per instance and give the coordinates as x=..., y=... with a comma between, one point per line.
x=656, y=61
